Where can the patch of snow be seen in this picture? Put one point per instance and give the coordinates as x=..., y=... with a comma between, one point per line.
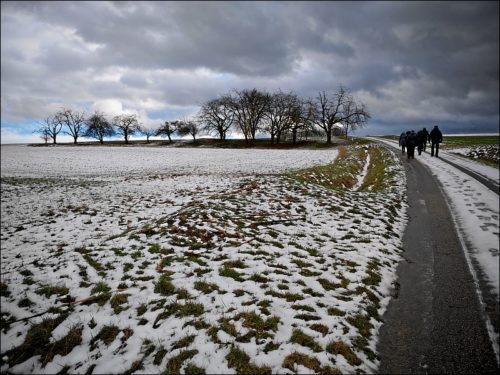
x=65, y=208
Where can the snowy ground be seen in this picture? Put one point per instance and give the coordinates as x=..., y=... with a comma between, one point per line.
x=149, y=260
x=478, y=152
x=475, y=209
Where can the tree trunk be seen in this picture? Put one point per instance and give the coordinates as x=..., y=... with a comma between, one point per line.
x=272, y=138
x=101, y=141
x=169, y=139
x=294, y=136
x=54, y=139
x=329, y=136
x=74, y=139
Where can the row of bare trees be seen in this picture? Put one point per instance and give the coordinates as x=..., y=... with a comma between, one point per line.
x=282, y=114
x=251, y=112
x=96, y=126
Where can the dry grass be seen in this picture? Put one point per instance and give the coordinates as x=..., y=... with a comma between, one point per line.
x=338, y=347
x=342, y=153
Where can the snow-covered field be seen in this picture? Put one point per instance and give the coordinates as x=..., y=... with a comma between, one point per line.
x=118, y=161
x=192, y=260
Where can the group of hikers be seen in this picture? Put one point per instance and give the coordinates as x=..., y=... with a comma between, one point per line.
x=409, y=140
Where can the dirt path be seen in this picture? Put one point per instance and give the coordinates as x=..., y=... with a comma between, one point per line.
x=435, y=324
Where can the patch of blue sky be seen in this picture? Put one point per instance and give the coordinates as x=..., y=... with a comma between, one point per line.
x=22, y=127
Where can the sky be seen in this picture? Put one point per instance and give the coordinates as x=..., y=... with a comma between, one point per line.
x=413, y=64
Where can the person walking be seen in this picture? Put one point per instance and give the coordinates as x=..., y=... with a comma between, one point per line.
x=426, y=134
x=411, y=142
x=436, y=137
x=402, y=141
x=421, y=141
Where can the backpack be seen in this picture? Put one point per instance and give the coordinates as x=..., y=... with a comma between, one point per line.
x=411, y=140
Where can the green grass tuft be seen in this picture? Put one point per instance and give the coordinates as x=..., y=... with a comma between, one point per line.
x=118, y=300
x=50, y=290
x=174, y=364
x=240, y=361
x=232, y=273
x=191, y=369
x=299, y=337
x=184, y=342
x=335, y=311
x=164, y=286
x=362, y=323
x=36, y=342
x=205, y=287
x=107, y=335
x=100, y=287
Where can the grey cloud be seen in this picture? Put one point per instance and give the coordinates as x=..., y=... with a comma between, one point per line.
x=180, y=35
x=134, y=80
x=183, y=53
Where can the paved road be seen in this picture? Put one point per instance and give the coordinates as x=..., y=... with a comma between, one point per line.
x=435, y=324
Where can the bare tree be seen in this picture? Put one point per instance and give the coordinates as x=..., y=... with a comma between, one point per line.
x=249, y=107
x=49, y=127
x=190, y=127
x=339, y=108
x=98, y=127
x=148, y=132
x=168, y=128
x=126, y=125
x=326, y=111
x=217, y=116
x=74, y=122
x=283, y=113
x=45, y=136
x=301, y=121
x=355, y=116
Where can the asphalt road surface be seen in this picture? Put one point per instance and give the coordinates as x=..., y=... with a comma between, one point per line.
x=435, y=324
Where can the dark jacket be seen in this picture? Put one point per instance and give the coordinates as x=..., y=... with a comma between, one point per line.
x=411, y=139
x=436, y=136
x=402, y=139
x=426, y=133
x=421, y=137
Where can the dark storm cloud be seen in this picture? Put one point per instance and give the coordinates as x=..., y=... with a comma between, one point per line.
x=241, y=38
x=408, y=61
